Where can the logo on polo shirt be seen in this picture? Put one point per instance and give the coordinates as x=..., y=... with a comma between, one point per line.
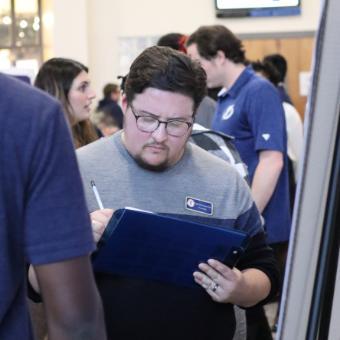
x=266, y=136
x=228, y=112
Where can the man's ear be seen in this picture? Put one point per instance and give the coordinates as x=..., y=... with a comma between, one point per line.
x=220, y=57
x=124, y=103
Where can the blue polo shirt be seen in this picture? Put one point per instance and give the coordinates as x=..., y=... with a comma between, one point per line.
x=43, y=214
x=251, y=111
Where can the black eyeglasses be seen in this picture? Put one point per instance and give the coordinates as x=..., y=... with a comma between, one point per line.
x=174, y=127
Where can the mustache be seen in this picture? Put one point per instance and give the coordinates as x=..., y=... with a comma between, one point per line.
x=159, y=145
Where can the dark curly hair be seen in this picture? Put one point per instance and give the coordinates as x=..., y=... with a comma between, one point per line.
x=211, y=39
x=165, y=69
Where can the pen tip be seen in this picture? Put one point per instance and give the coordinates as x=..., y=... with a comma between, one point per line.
x=92, y=183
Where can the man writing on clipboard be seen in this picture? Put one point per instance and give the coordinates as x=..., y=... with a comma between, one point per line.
x=150, y=165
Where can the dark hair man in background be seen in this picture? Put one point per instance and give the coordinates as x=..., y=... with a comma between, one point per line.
x=150, y=165
x=250, y=110
x=43, y=220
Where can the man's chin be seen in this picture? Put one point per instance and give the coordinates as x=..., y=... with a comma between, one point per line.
x=158, y=167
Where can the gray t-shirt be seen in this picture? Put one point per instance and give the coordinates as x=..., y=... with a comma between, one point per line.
x=197, y=179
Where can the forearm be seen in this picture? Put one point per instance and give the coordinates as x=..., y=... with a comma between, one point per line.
x=71, y=300
x=265, y=178
x=92, y=329
x=32, y=277
x=254, y=287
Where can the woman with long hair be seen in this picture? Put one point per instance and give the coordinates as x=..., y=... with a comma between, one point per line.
x=69, y=82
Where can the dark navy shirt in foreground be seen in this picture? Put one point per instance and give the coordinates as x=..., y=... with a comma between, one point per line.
x=251, y=111
x=43, y=217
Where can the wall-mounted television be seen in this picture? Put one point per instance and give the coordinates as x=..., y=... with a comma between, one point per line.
x=256, y=8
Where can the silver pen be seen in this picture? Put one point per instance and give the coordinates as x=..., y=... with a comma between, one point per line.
x=96, y=194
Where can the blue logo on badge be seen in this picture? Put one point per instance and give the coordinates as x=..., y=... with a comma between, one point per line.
x=200, y=206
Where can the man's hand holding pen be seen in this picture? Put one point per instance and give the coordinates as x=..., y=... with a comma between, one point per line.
x=99, y=220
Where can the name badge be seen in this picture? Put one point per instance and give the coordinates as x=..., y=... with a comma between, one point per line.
x=200, y=206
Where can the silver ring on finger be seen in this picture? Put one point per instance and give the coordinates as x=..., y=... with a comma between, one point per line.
x=214, y=286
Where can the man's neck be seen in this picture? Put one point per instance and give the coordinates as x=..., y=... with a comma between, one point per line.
x=233, y=71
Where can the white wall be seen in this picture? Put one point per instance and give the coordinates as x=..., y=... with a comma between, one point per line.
x=66, y=30
x=104, y=30
x=90, y=30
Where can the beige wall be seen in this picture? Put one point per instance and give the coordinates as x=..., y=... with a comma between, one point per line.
x=89, y=30
x=65, y=29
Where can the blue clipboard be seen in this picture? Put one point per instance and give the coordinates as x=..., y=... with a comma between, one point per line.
x=150, y=246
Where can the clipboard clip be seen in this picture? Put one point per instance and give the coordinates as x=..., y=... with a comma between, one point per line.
x=234, y=256
x=111, y=226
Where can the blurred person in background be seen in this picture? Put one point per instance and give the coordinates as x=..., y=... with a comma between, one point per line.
x=111, y=93
x=106, y=122
x=68, y=80
x=280, y=64
x=109, y=105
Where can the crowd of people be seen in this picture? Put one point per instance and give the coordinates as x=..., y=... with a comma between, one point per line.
x=159, y=143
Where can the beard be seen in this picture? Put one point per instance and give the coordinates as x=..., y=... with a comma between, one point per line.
x=162, y=166
x=156, y=168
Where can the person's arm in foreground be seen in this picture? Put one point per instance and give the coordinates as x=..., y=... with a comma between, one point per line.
x=266, y=176
x=99, y=221
x=71, y=300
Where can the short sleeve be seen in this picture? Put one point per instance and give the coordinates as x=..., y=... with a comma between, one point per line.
x=56, y=220
x=266, y=118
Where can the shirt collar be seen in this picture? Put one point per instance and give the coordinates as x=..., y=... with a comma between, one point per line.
x=246, y=74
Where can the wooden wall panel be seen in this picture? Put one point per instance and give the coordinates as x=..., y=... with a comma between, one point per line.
x=298, y=52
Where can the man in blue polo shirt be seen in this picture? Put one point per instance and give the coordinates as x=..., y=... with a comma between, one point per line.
x=43, y=220
x=249, y=109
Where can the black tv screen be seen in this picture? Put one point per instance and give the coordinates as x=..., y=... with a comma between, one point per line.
x=256, y=8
